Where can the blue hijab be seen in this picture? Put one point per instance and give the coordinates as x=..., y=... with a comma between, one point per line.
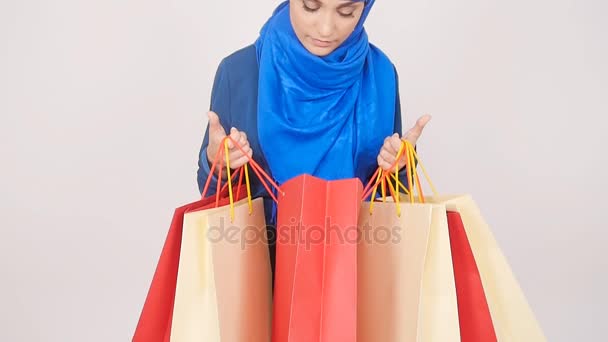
x=324, y=116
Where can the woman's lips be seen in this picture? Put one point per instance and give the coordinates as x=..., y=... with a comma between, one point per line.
x=321, y=43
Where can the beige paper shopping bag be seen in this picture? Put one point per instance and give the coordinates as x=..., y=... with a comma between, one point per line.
x=439, y=307
x=512, y=316
x=223, y=290
x=406, y=286
x=512, y=319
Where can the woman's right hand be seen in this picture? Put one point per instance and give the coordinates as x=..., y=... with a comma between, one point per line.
x=217, y=133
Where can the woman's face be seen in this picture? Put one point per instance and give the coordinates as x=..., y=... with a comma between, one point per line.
x=322, y=25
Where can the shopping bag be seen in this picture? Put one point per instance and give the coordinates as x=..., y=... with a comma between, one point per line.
x=157, y=314
x=154, y=324
x=491, y=304
x=223, y=290
x=406, y=288
x=315, y=296
x=473, y=312
x=512, y=316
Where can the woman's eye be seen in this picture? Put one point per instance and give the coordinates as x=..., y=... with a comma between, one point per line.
x=309, y=9
x=347, y=15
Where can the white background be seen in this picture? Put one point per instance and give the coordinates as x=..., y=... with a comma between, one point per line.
x=103, y=105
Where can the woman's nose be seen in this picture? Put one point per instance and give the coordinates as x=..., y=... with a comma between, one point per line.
x=326, y=26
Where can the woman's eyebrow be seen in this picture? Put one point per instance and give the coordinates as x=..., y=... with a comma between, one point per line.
x=346, y=4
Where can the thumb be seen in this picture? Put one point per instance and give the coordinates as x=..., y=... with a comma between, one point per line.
x=415, y=132
x=215, y=127
x=422, y=121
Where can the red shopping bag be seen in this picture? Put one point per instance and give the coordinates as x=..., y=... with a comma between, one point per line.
x=473, y=311
x=155, y=319
x=315, y=296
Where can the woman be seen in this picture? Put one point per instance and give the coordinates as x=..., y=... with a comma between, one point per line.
x=312, y=95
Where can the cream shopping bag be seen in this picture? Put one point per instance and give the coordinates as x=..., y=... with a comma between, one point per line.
x=223, y=290
x=511, y=316
x=406, y=288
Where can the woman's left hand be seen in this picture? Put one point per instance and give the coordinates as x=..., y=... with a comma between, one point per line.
x=388, y=152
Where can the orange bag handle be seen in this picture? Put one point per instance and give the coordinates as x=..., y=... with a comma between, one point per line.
x=379, y=178
x=262, y=175
x=381, y=175
x=221, y=155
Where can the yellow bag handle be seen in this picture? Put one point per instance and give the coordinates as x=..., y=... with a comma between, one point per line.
x=262, y=175
x=223, y=155
x=230, y=193
x=379, y=178
x=413, y=179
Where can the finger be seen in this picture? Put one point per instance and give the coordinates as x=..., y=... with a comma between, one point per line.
x=388, y=146
x=236, y=161
x=215, y=127
x=383, y=164
x=243, y=139
x=237, y=154
x=395, y=142
x=423, y=120
x=239, y=162
x=241, y=146
x=387, y=156
x=235, y=135
x=415, y=132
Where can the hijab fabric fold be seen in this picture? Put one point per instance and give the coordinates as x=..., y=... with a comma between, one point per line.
x=324, y=116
